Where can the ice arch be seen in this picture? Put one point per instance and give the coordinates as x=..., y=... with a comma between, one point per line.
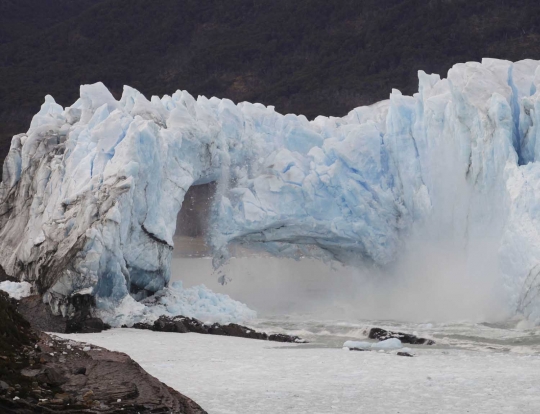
x=91, y=192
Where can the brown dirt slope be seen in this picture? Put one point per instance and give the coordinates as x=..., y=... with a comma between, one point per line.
x=44, y=374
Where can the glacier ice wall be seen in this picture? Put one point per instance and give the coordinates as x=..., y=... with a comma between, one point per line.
x=91, y=192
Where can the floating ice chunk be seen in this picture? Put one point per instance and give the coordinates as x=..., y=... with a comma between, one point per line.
x=392, y=343
x=358, y=344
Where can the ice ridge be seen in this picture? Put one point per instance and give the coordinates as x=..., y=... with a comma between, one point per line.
x=91, y=193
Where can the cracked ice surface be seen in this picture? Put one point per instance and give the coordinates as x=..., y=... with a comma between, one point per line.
x=91, y=192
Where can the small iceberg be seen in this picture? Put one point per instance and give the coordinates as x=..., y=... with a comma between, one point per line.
x=388, y=344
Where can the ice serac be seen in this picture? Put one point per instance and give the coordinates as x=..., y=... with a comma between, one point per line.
x=91, y=192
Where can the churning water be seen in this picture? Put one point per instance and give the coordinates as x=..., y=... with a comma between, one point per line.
x=328, y=305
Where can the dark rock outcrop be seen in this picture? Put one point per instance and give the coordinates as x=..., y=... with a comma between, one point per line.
x=43, y=374
x=40, y=316
x=194, y=325
x=80, y=320
x=170, y=325
x=382, y=334
x=86, y=325
x=405, y=354
x=284, y=338
x=240, y=331
x=141, y=325
x=182, y=324
x=4, y=276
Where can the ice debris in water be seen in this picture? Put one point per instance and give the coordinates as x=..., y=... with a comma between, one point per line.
x=91, y=193
x=16, y=290
x=357, y=344
x=392, y=343
x=223, y=280
x=196, y=302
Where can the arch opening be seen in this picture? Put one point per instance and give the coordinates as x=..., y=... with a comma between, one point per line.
x=190, y=238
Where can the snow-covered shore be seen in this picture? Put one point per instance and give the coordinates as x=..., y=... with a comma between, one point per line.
x=233, y=375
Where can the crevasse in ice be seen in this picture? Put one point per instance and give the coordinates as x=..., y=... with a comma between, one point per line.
x=90, y=194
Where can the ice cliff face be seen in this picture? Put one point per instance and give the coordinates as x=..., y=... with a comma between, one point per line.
x=91, y=192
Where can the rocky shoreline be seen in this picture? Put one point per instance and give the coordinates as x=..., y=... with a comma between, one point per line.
x=182, y=324
x=41, y=318
x=40, y=373
x=43, y=374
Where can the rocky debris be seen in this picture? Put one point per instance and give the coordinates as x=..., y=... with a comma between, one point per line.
x=358, y=349
x=80, y=320
x=88, y=325
x=43, y=374
x=33, y=309
x=234, y=329
x=286, y=338
x=170, y=325
x=182, y=324
x=382, y=335
x=405, y=354
x=140, y=325
x=47, y=375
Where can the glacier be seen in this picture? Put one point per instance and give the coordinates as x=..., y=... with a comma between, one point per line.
x=91, y=193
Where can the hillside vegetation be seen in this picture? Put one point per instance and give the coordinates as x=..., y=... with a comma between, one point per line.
x=25, y=18
x=306, y=56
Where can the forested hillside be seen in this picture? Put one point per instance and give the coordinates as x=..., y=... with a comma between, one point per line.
x=304, y=56
x=25, y=18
